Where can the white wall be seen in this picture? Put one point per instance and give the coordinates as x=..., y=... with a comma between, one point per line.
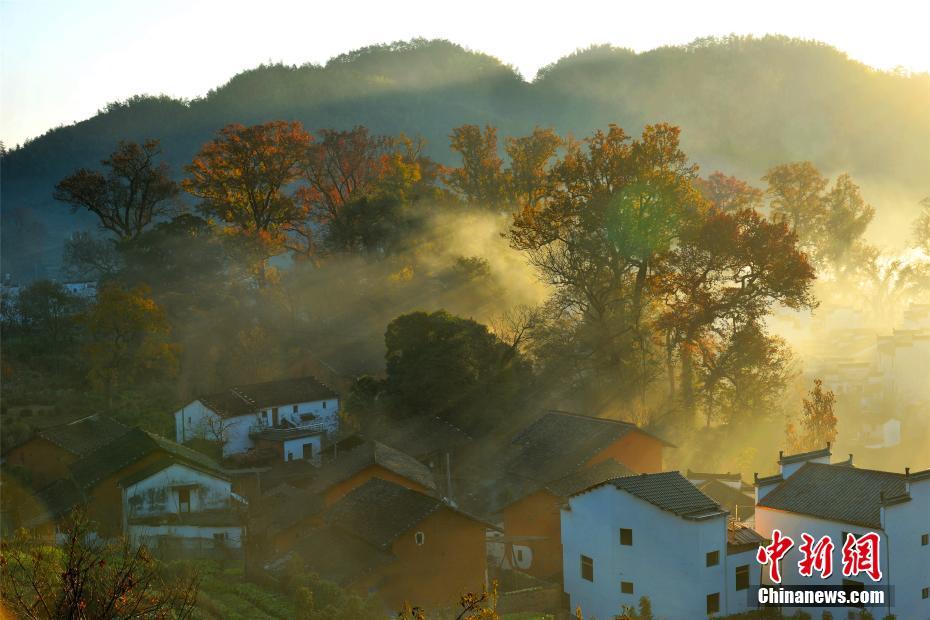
x=158, y=494
x=295, y=448
x=195, y=420
x=667, y=561
x=905, y=564
x=149, y=534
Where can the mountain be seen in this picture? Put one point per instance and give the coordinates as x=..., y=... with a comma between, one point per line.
x=743, y=103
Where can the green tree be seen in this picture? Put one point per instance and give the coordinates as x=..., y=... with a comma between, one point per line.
x=131, y=193
x=88, y=577
x=436, y=361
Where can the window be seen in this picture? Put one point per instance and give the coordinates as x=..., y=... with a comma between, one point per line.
x=587, y=568
x=925, y=593
x=742, y=577
x=713, y=603
x=419, y=538
x=713, y=558
x=184, y=499
x=626, y=537
x=626, y=587
x=294, y=410
x=925, y=540
x=290, y=456
x=220, y=536
x=520, y=555
x=308, y=451
x=324, y=404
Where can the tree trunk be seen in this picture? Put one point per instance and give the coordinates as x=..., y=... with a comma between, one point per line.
x=687, y=381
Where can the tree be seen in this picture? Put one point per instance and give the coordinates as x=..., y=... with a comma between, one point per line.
x=613, y=208
x=729, y=193
x=90, y=257
x=244, y=177
x=830, y=223
x=796, y=192
x=185, y=260
x=818, y=422
x=847, y=218
x=436, y=361
x=49, y=311
x=128, y=340
x=743, y=373
x=480, y=179
x=129, y=195
x=726, y=273
x=530, y=157
x=88, y=577
x=921, y=227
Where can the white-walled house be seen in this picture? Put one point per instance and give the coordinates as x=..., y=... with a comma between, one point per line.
x=655, y=535
x=290, y=416
x=178, y=503
x=812, y=496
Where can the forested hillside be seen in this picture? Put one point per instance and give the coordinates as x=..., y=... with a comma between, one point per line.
x=743, y=105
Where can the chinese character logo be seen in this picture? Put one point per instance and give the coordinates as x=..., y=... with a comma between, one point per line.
x=773, y=553
x=860, y=555
x=817, y=556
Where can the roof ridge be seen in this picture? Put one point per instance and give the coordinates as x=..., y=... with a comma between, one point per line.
x=846, y=465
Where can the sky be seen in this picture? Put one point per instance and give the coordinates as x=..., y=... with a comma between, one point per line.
x=62, y=60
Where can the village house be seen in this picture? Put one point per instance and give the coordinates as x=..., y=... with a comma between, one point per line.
x=288, y=512
x=48, y=455
x=286, y=419
x=100, y=479
x=402, y=545
x=655, y=535
x=178, y=506
x=811, y=495
x=553, y=457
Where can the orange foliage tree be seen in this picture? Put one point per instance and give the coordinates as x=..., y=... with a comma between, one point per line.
x=244, y=177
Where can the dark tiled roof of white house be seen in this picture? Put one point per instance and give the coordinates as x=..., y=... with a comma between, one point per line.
x=669, y=491
x=247, y=399
x=837, y=493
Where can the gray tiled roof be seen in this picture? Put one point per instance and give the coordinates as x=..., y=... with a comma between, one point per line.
x=729, y=498
x=338, y=556
x=123, y=451
x=671, y=492
x=368, y=454
x=246, y=399
x=84, y=435
x=588, y=477
x=559, y=442
x=741, y=537
x=836, y=493
x=379, y=511
x=52, y=502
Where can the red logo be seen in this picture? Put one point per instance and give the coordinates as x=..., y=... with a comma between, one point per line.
x=817, y=556
x=860, y=555
x=773, y=553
